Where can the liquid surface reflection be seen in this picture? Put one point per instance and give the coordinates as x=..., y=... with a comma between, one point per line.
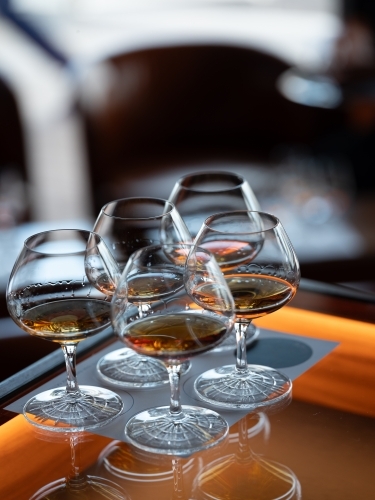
x=235, y=469
x=77, y=485
x=242, y=471
x=143, y=473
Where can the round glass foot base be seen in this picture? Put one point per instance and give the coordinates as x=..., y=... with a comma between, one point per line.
x=83, y=487
x=263, y=477
x=229, y=344
x=56, y=410
x=127, y=369
x=155, y=430
x=225, y=387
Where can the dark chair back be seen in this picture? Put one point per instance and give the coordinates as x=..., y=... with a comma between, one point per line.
x=14, y=207
x=150, y=111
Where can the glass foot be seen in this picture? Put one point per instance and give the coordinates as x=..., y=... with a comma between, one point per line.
x=225, y=387
x=195, y=429
x=264, y=478
x=127, y=369
x=133, y=464
x=55, y=410
x=252, y=333
x=84, y=487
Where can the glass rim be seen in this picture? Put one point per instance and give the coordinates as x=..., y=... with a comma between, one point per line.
x=240, y=178
x=181, y=245
x=39, y=236
x=163, y=201
x=219, y=215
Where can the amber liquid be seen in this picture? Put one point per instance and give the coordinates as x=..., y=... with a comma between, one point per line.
x=153, y=286
x=145, y=287
x=66, y=321
x=105, y=285
x=229, y=479
x=176, y=336
x=127, y=460
x=254, y=296
x=231, y=254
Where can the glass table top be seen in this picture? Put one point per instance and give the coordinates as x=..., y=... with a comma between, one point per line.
x=318, y=445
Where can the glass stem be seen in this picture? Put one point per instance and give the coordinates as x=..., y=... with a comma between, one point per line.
x=178, y=484
x=174, y=381
x=241, y=358
x=75, y=480
x=143, y=311
x=244, y=453
x=71, y=371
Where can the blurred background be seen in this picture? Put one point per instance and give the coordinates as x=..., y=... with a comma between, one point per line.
x=107, y=99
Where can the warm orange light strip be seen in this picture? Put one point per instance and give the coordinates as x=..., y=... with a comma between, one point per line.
x=345, y=379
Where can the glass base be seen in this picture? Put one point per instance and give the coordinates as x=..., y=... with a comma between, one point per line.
x=127, y=369
x=229, y=344
x=133, y=464
x=225, y=387
x=55, y=410
x=84, y=487
x=263, y=478
x=155, y=430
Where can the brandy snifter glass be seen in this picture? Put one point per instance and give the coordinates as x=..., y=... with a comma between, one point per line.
x=177, y=326
x=126, y=225
x=262, y=272
x=50, y=296
x=200, y=194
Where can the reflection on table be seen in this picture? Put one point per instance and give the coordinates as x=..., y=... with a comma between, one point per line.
x=324, y=441
x=77, y=485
